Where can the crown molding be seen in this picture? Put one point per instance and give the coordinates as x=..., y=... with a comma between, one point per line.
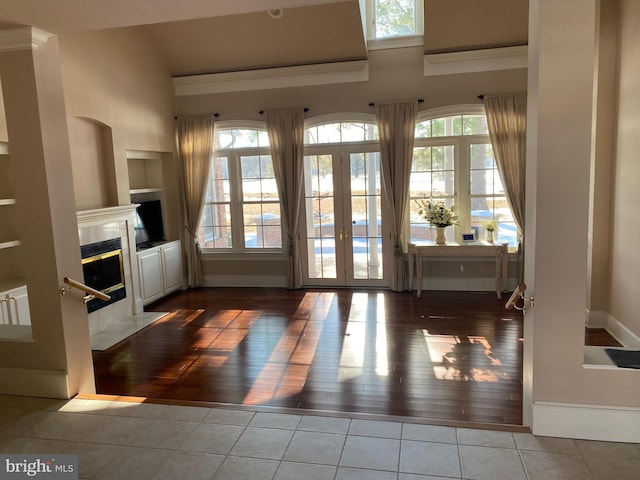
x=285, y=77
x=22, y=38
x=505, y=58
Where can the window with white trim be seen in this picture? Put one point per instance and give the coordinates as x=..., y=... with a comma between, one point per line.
x=396, y=18
x=242, y=205
x=394, y=23
x=453, y=161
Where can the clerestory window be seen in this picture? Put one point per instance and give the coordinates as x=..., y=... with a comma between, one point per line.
x=394, y=23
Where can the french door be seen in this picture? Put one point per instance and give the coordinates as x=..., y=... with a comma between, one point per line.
x=343, y=217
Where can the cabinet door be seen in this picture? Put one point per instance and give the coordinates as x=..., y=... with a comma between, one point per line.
x=18, y=303
x=151, y=285
x=14, y=307
x=4, y=310
x=172, y=265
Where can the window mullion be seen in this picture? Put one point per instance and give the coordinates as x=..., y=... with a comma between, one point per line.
x=235, y=180
x=462, y=174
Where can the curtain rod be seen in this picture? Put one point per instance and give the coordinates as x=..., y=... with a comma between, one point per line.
x=305, y=109
x=216, y=115
x=373, y=104
x=482, y=97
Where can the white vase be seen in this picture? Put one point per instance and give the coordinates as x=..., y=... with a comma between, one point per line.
x=440, y=237
x=490, y=236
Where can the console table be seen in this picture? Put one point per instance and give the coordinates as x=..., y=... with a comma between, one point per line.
x=476, y=249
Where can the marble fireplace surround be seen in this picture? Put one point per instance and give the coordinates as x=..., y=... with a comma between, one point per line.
x=115, y=322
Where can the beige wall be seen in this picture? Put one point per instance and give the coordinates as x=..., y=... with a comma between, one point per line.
x=561, y=74
x=116, y=79
x=625, y=254
x=602, y=164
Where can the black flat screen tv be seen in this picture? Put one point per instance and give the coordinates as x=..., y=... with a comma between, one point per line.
x=149, y=227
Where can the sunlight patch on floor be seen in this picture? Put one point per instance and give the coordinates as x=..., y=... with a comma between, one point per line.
x=452, y=357
x=285, y=372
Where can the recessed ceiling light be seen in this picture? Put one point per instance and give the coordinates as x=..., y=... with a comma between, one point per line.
x=276, y=12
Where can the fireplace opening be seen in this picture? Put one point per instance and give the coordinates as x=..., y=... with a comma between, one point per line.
x=103, y=270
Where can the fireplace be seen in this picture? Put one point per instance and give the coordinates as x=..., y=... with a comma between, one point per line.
x=103, y=270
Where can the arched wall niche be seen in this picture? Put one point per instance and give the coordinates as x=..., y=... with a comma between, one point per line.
x=92, y=159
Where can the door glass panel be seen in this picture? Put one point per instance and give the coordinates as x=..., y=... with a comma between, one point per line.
x=320, y=211
x=366, y=215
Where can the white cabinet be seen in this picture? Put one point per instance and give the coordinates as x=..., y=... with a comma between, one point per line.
x=171, y=259
x=150, y=269
x=160, y=271
x=14, y=307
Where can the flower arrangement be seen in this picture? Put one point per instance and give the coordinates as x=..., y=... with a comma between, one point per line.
x=436, y=212
x=490, y=224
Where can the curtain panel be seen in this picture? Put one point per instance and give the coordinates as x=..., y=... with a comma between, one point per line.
x=507, y=122
x=195, y=150
x=286, y=140
x=396, y=128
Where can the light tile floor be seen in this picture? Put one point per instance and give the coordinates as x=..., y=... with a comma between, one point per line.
x=124, y=440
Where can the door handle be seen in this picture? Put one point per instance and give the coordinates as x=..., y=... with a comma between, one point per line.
x=340, y=236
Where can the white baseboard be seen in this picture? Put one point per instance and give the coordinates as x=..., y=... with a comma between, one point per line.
x=588, y=422
x=596, y=319
x=470, y=284
x=278, y=281
x=33, y=383
x=600, y=319
x=477, y=284
x=621, y=333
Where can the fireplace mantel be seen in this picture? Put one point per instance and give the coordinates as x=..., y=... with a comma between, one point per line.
x=105, y=215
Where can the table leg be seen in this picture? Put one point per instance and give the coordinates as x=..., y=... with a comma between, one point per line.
x=419, y=274
x=499, y=276
x=410, y=260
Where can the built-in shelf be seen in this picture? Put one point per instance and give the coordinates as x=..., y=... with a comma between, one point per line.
x=11, y=268
x=597, y=358
x=10, y=244
x=137, y=191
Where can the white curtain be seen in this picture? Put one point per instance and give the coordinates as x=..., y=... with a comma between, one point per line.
x=396, y=128
x=507, y=121
x=286, y=140
x=195, y=149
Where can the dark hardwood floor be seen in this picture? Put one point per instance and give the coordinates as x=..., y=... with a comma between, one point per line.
x=599, y=337
x=448, y=356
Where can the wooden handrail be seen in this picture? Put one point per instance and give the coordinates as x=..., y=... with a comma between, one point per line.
x=92, y=292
